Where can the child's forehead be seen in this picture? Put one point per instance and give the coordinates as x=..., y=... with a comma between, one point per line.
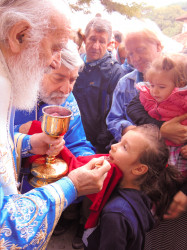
x=132, y=136
x=159, y=76
x=134, y=141
x=153, y=72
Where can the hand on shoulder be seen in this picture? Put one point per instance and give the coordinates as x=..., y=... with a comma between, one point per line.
x=174, y=131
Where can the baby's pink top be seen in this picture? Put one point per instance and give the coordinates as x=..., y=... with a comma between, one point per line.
x=175, y=105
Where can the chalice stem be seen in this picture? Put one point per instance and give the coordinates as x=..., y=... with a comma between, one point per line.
x=50, y=159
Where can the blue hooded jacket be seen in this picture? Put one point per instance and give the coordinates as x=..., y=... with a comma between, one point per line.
x=93, y=91
x=124, y=221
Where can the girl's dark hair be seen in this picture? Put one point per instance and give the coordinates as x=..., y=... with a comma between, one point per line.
x=162, y=181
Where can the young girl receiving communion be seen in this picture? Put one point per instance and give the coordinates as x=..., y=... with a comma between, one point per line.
x=138, y=188
x=148, y=182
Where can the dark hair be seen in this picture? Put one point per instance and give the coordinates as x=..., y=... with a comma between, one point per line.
x=78, y=37
x=118, y=36
x=162, y=181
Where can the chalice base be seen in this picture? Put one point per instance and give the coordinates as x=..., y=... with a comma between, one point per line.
x=43, y=173
x=37, y=182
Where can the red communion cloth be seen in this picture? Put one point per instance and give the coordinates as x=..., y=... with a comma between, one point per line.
x=98, y=199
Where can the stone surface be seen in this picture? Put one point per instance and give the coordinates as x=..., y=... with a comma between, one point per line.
x=63, y=241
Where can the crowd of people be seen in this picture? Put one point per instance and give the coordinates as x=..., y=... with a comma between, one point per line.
x=126, y=145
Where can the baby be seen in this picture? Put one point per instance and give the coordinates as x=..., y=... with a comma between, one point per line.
x=164, y=97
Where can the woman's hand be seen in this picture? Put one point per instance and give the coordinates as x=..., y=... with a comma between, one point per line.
x=174, y=131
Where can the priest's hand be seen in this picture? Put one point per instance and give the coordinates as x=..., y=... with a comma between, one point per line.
x=89, y=178
x=42, y=144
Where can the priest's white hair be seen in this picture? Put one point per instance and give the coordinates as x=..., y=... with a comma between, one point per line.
x=70, y=57
x=37, y=13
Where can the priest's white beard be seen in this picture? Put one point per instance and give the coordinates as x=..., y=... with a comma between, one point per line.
x=55, y=98
x=27, y=71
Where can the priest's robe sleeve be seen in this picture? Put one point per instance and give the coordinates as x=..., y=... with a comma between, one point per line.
x=27, y=220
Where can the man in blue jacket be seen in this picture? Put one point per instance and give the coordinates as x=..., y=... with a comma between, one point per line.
x=95, y=85
x=143, y=44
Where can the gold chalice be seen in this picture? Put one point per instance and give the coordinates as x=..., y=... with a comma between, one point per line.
x=45, y=170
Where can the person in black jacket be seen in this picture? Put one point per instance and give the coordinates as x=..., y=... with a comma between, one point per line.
x=94, y=87
x=93, y=91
